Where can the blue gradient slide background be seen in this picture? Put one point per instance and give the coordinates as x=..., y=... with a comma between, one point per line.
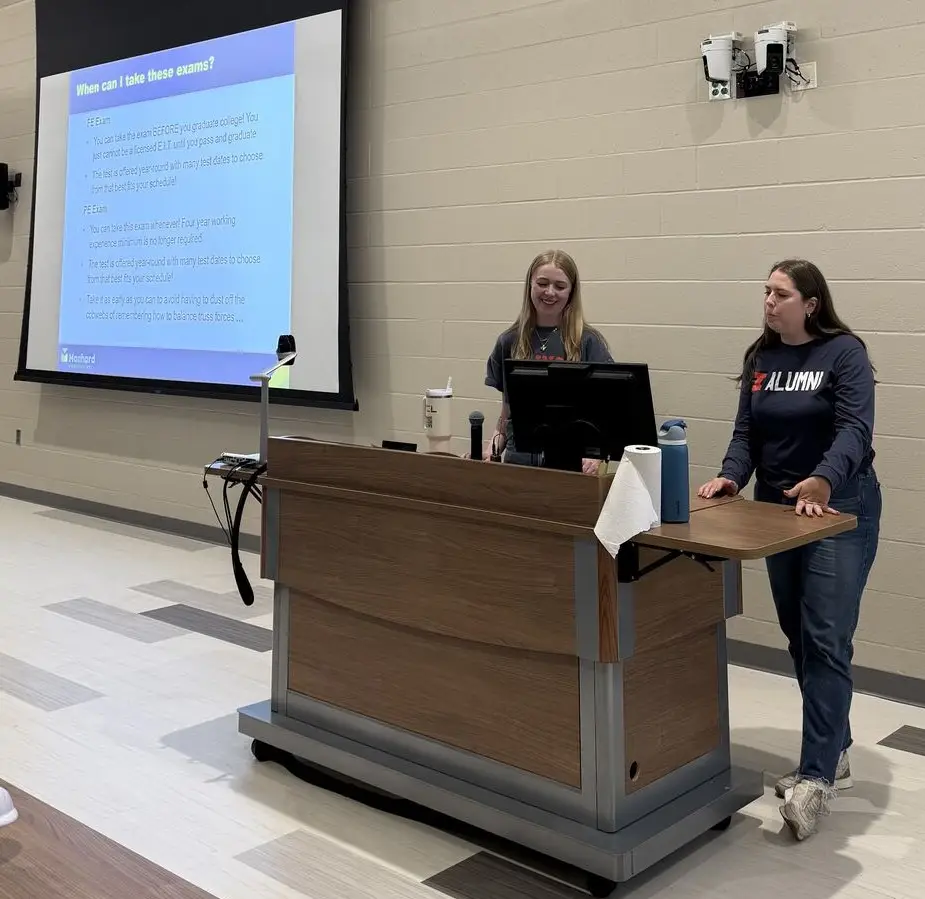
x=178, y=212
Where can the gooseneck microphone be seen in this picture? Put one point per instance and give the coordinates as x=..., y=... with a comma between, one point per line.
x=476, y=420
x=284, y=346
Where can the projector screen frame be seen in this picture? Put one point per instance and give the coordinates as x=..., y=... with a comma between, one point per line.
x=120, y=33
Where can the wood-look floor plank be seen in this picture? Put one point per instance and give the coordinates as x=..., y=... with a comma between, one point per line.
x=48, y=855
x=227, y=604
x=907, y=739
x=229, y=630
x=116, y=620
x=486, y=876
x=40, y=688
x=298, y=861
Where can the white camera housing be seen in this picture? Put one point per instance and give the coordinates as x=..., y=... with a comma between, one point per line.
x=773, y=47
x=718, y=52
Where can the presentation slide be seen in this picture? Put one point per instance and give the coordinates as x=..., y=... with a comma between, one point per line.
x=188, y=212
x=178, y=211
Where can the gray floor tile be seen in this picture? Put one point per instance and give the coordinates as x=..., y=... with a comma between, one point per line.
x=174, y=541
x=227, y=604
x=220, y=627
x=319, y=867
x=119, y=621
x=41, y=688
x=908, y=739
x=485, y=876
x=262, y=594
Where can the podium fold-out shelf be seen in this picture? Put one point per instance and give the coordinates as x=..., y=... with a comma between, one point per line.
x=453, y=632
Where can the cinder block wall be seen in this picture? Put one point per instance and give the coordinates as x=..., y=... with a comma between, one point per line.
x=486, y=130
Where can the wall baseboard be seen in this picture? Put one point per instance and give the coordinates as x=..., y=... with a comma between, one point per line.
x=895, y=687
x=203, y=532
x=884, y=684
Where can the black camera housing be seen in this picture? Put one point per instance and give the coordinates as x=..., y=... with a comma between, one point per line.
x=776, y=59
x=9, y=182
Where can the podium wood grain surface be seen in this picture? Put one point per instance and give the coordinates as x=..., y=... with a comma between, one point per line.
x=737, y=528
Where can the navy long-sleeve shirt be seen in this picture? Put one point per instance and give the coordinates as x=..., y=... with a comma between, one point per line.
x=808, y=411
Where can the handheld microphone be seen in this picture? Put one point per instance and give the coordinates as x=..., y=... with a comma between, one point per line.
x=476, y=419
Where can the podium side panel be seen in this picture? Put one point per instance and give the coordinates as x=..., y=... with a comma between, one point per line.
x=672, y=706
x=680, y=597
x=609, y=635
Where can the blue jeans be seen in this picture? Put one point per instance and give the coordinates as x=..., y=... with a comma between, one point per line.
x=817, y=591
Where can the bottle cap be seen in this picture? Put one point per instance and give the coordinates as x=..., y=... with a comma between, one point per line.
x=673, y=431
x=442, y=391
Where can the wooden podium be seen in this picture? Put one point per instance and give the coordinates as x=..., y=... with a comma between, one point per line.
x=453, y=633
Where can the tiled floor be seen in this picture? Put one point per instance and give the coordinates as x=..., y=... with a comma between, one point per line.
x=125, y=655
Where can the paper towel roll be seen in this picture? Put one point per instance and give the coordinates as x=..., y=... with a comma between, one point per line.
x=634, y=501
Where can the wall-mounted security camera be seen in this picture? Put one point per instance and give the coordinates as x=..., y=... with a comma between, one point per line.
x=718, y=53
x=9, y=182
x=773, y=47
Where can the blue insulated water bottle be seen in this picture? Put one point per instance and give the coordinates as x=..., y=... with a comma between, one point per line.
x=676, y=478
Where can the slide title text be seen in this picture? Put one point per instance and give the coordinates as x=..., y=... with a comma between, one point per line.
x=135, y=79
x=209, y=65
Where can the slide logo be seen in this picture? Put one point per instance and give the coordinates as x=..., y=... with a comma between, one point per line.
x=77, y=358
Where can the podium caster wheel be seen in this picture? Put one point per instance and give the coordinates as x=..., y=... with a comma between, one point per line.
x=599, y=887
x=723, y=825
x=262, y=752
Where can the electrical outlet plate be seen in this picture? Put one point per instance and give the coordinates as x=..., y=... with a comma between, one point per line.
x=720, y=90
x=809, y=73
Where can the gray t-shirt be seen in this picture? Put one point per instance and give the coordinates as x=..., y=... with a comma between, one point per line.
x=547, y=346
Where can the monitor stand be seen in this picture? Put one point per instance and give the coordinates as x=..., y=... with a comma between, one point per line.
x=565, y=446
x=562, y=455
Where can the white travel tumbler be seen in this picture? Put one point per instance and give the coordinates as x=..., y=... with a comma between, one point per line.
x=438, y=418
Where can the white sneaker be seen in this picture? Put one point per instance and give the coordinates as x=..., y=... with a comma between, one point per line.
x=843, y=779
x=809, y=801
x=8, y=813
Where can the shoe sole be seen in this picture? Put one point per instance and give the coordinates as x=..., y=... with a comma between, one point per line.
x=846, y=783
x=9, y=818
x=794, y=825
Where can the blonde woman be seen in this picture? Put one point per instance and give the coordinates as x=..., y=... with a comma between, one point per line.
x=551, y=326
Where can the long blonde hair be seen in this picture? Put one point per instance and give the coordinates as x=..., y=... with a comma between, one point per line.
x=573, y=321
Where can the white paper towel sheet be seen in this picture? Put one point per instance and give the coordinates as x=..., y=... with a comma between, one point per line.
x=634, y=501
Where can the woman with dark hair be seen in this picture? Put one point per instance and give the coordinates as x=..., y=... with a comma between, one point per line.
x=804, y=427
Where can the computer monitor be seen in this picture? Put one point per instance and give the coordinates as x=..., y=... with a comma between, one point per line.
x=564, y=412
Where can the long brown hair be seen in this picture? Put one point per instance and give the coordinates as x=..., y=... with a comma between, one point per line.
x=823, y=321
x=573, y=320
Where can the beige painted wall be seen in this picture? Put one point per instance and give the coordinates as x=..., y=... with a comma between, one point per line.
x=483, y=131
